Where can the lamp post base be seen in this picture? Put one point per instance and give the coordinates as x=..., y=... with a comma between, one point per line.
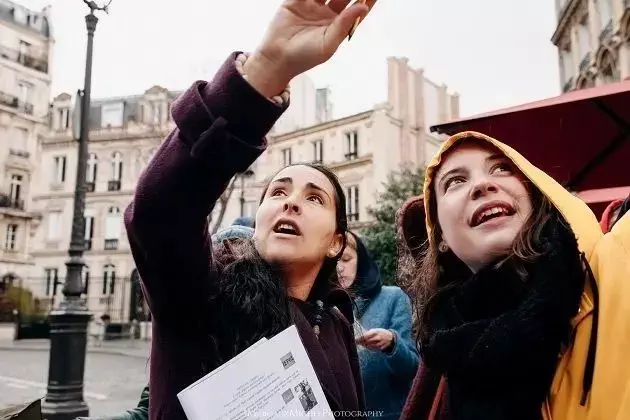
x=68, y=346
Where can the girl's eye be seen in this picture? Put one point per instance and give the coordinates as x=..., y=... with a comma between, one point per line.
x=453, y=181
x=316, y=198
x=502, y=167
x=277, y=193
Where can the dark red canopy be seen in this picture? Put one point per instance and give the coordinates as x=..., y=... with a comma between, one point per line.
x=581, y=138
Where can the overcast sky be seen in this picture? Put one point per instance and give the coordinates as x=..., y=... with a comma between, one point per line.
x=494, y=53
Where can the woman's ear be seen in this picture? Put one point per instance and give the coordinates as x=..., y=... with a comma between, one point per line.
x=336, y=246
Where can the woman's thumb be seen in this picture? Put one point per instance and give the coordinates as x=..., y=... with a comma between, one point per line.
x=343, y=23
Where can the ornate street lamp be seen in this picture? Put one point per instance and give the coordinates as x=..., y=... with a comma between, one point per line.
x=69, y=322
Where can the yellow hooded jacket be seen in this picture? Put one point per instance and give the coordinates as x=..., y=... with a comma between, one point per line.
x=604, y=309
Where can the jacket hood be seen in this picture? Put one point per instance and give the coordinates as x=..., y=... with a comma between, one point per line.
x=368, y=280
x=577, y=213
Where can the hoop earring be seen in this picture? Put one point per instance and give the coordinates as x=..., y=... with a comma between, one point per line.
x=443, y=247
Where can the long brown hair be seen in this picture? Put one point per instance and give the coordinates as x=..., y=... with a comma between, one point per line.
x=437, y=272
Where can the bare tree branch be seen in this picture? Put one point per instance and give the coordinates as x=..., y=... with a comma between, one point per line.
x=223, y=201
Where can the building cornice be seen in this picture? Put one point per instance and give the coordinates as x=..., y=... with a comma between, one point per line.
x=563, y=21
x=348, y=164
x=64, y=138
x=89, y=197
x=321, y=127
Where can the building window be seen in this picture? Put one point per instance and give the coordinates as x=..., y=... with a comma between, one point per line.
x=109, y=279
x=89, y=228
x=584, y=38
x=286, y=157
x=63, y=119
x=16, y=190
x=156, y=112
x=25, y=48
x=86, y=280
x=112, y=228
x=10, y=239
x=112, y=115
x=352, y=203
x=54, y=226
x=92, y=167
x=117, y=166
x=115, y=182
x=566, y=63
x=605, y=9
x=19, y=141
x=25, y=92
x=59, y=168
x=318, y=151
x=352, y=145
x=52, y=281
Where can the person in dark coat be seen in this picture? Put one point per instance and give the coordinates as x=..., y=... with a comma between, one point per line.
x=387, y=350
x=210, y=301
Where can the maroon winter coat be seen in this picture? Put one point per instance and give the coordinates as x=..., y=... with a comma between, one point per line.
x=220, y=131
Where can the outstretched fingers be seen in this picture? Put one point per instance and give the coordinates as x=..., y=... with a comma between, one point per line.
x=345, y=20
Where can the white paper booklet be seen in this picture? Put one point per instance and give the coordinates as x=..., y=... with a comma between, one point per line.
x=272, y=379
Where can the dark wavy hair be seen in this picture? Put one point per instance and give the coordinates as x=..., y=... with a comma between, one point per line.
x=249, y=291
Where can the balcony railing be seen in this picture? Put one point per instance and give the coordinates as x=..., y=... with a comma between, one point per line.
x=586, y=61
x=88, y=245
x=606, y=32
x=14, y=102
x=19, y=153
x=11, y=203
x=35, y=63
x=113, y=185
x=90, y=186
x=111, y=244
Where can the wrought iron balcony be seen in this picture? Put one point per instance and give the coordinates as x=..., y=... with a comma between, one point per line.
x=90, y=186
x=13, y=102
x=88, y=245
x=113, y=185
x=27, y=60
x=11, y=203
x=111, y=244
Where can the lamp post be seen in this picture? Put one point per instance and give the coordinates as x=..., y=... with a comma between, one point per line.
x=69, y=322
x=247, y=174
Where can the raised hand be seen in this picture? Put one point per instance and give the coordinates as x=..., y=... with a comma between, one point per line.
x=302, y=35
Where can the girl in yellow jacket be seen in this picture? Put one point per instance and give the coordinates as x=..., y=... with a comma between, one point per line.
x=523, y=304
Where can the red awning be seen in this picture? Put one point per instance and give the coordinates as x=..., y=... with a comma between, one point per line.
x=580, y=138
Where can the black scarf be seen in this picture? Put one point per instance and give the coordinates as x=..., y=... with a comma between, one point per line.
x=497, y=336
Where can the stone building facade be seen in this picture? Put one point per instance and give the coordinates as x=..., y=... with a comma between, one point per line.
x=26, y=48
x=593, y=40
x=125, y=132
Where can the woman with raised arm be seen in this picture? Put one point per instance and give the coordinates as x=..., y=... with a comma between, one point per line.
x=211, y=301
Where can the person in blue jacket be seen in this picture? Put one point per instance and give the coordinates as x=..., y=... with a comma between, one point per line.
x=387, y=352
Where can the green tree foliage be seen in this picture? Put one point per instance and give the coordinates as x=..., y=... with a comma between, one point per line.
x=380, y=237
